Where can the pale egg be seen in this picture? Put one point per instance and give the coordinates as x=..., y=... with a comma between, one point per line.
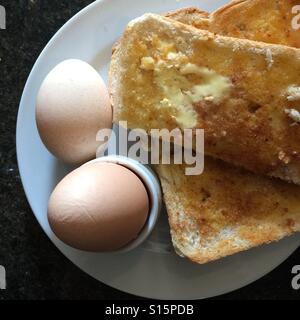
x=72, y=106
x=99, y=207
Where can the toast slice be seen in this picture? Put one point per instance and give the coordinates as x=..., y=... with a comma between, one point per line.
x=214, y=183
x=259, y=20
x=207, y=200
x=268, y=21
x=227, y=191
x=245, y=94
x=226, y=210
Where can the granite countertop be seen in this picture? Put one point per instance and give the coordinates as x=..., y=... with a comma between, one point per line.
x=35, y=268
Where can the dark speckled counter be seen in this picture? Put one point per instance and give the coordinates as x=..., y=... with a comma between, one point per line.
x=35, y=268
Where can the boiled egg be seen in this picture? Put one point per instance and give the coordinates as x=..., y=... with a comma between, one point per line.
x=99, y=207
x=72, y=106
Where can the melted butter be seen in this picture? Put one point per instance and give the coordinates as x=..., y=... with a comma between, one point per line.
x=165, y=47
x=172, y=84
x=147, y=63
x=213, y=85
x=293, y=93
x=180, y=92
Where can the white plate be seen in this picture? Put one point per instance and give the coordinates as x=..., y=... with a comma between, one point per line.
x=153, y=270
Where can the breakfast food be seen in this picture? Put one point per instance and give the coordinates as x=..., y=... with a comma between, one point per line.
x=72, y=106
x=98, y=207
x=226, y=210
x=260, y=20
x=191, y=16
x=244, y=94
x=166, y=74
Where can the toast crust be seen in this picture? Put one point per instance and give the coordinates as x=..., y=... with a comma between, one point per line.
x=191, y=16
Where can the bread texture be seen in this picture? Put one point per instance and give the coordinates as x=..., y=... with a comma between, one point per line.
x=244, y=94
x=191, y=16
x=226, y=209
x=259, y=20
x=268, y=21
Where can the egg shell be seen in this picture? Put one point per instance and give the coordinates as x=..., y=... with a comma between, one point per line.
x=72, y=106
x=99, y=207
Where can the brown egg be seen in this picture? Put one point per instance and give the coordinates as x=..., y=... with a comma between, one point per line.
x=98, y=207
x=72, y=106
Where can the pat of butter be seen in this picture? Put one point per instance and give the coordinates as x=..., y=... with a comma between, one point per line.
x=177, y=58
x=165, y=47
x=293, y=114
x=293, y=93
x=180, y=91
x=147, y=63
x=171, y=83
x=213, y=85
x=187, y=119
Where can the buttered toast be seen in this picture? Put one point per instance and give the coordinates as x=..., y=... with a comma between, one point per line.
x=259, y=209
x=245, y=94
x=227, y=210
